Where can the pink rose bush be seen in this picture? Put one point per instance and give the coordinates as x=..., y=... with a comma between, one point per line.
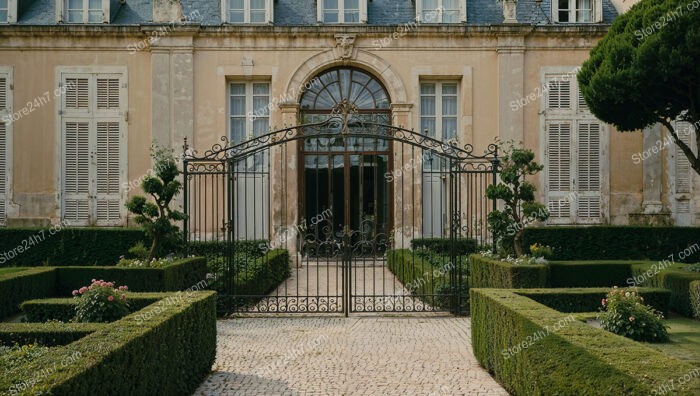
x=101, y=302
x=624, y=313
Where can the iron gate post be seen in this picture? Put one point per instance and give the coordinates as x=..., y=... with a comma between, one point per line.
x=495, y=163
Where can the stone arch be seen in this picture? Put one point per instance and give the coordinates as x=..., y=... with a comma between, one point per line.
x=367, y=61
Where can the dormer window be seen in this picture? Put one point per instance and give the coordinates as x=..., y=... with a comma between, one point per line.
x=83, y=11
x=342, y=11
x=248, y=11
x=577, y=11
x=441, y=11
x=8, y=11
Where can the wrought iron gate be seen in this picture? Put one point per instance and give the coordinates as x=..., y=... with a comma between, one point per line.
x=343, y=215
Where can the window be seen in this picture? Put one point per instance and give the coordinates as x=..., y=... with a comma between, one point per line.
x=4, y=11
x=93, y=136
x=248, y=11
x=342, y=11
x=438, y=109
x=575, y=154
x=577, y=11
x=5, y=141
x=441, y=11
x=83, y=11
x=249, y=117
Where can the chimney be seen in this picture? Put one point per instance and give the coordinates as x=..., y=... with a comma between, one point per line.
x=165, y=11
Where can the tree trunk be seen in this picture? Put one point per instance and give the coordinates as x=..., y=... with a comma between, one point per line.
x=154, y=248
x=517, y=242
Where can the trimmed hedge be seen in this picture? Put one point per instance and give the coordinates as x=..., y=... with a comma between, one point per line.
x=178, y=276
x=614, y=243
x=674, y=279
x=575, y=359
x=502, y=275
x=169, y=353
x=47, y=334
x=435, y=289
x=17, y=287
x=463, y=246
x=63, y=309
x=263, y=275
x=68, y=246
x=695, y=298
x=589, y=299
x=590, y=273
x=220, y=248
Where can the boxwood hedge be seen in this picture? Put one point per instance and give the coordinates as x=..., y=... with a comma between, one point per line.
x=261, y=276
x=168, y=353
x=485, y=272
x=589, y=299
x=32, y=283
x=68, y=246
x=695, y=298
x=48, y=334
x=462, y=246
x=615, y=243
x=674, y=279
x=63, y=309
x=601, y=273
x=518, y=341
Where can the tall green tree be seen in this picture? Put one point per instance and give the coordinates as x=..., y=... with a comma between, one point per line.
x=157, y=218
x=646, y=70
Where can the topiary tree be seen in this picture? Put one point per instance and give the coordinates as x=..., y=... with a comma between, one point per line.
x=518, y=196
x=156, y=217
x=645, y=70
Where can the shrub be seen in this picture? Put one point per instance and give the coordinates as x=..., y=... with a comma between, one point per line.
x=573, y=300
x=69, y=246
x=672, y=278
x=602, y=273
x=178, y=276
x=261, y=276
x=542, y=251
x=693, y=268
x=168, y=354
x=577, y=359
x=138, y=263
x=695, y=298
x=101, y=302
x=63, y=309
x=157, y=217
x=615, y=242
x=624, y=313
x=16, y=287
x=462, y=246
x=491, y=273
x=50, y=334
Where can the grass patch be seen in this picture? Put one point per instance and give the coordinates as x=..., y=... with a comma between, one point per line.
x=685, y=339
x=11, y=270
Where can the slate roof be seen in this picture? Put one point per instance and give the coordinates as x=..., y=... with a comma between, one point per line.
x=303, y=12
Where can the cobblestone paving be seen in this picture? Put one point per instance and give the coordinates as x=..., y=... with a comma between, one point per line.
x=361, y=355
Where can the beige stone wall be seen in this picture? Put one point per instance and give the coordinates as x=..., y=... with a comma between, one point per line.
x=178, y=88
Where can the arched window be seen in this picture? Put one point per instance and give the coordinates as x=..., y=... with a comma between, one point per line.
x=335, y=85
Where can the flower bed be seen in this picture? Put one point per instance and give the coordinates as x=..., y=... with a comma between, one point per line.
x=567, y=357
x=167, y=348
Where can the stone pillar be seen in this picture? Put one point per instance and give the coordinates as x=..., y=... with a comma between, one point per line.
x=511, y=69
x=652, y=170
x=284, y=201
x=406, y=207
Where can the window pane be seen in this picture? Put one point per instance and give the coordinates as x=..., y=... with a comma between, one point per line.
x=353, y=16
x=257, y=17
x=330, y=17
x=427, y=105
x=427, y=89
x=564, y=4
x=235, y=4
x=352, y=4
x=260, y=126
x=427, y=123
x=563, y=16
x=449, y=89
x=449, y=105
x=430, y=5
x=450, y=17
x=3, y=16
x=261, y=105
x=75, y=16
x=237, y=129
x=238, y=89
x=3, y=4
x=583, y=16
x=236, y=17
x=261, y=89
x=95, y=5
x=95, y=16
x=257, y=4
x=449, y=128
x=75, y=4
x=451, y=4
x=330, y=4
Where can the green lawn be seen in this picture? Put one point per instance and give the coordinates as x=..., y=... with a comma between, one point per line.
x=10, y=270
x=685, y=339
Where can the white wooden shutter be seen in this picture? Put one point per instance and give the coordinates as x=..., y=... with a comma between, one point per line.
x=363, y=11
x=559, y=94
x=3, y=173
x=559, y=169
x=683, y=169
x=597, y=11
x=582, y=105
x=77, y=96
x=3, y=93
x=588, y=170
x=76, y=172
x=108, y=160
x=108, y=93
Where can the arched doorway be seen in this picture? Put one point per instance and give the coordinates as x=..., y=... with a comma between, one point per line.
x=342, y=176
